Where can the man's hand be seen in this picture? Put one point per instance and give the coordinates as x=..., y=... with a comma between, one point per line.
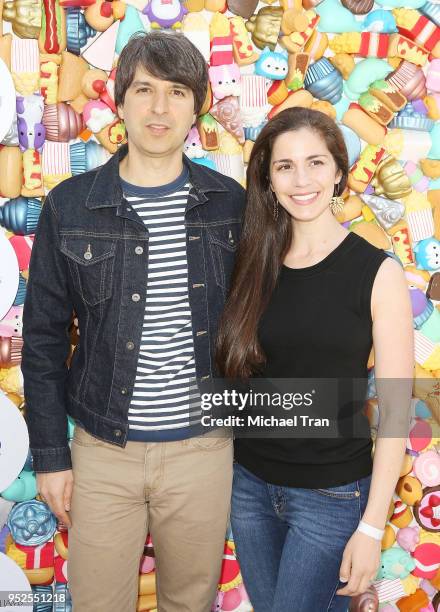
x=55, y=488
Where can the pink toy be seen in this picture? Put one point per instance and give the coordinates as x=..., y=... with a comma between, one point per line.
x=193, y=145
x=12, y=323
x=22, y=246
x=97, y=115
x=101, y=51
x=426, y=468
x=225, y=80
x=433, y=76
x=165, y=13
x=231, y=600
x=253, y=100
x=427, y=560
x=419, y=181
x=147, y=565
x=408, y=538
x=419, y=437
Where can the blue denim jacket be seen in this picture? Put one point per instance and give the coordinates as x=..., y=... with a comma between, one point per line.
x=90, y=254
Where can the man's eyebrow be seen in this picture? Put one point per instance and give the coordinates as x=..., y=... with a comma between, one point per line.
x=139, y=83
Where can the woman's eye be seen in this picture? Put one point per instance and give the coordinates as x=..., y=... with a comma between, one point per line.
x=142, y=89
x=316, y=162
x=178, y=92
x=284, y=167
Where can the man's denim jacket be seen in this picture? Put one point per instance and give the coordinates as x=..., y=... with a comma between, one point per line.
x=90, y=255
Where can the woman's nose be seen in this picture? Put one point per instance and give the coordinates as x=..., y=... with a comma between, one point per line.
x=302, y=175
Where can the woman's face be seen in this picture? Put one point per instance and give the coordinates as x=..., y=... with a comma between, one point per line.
x=303, y=174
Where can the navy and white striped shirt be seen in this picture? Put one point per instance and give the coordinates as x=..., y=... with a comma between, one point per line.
x=166, y=403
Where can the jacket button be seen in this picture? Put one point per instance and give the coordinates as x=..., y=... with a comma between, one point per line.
x=135, y=297
x=139, y=250
x=118, y=433
x=130, y=346
x=124, y=390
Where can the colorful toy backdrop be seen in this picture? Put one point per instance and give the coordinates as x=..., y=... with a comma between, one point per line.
x=372, y=66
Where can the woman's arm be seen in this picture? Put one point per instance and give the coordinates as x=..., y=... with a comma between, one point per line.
x=394, y=364
x=394, y=369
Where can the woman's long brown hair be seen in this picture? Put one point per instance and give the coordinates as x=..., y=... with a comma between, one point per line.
x=264, y=243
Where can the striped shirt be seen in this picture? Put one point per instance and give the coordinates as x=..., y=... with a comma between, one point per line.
x=165, y=404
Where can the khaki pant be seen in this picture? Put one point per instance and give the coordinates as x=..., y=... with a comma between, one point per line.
x=178, y=491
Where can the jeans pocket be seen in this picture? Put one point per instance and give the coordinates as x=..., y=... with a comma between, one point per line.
x=345, y=491
x=211, y=441
x=91, y=263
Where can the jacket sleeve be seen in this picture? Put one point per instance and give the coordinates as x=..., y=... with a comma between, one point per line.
x=46, y=318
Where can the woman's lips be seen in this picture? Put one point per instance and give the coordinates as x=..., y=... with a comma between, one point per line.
x=306, y=199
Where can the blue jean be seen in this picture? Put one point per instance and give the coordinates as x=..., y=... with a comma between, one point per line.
x=289, y=541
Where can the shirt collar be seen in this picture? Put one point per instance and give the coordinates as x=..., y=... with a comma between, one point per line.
x=106, y=189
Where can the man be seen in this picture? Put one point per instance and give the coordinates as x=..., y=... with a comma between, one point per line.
x=142, y=250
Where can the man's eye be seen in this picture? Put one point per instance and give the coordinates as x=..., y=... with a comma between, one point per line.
x=284, y=167
x=142, y=89
x=318, y=162
x=179, y=92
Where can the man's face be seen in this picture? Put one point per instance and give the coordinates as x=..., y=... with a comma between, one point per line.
x=158, y=114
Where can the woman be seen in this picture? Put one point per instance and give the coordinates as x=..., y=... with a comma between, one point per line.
x=307, y=300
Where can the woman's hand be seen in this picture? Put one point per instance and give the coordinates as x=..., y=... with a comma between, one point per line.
x=360, y=563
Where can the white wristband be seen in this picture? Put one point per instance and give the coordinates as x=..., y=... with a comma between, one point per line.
x=371, y=531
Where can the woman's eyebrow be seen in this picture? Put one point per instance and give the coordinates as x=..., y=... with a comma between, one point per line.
x=277, y=161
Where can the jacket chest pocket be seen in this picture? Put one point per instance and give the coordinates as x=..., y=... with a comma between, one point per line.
x=91, y=262
x=223, y=242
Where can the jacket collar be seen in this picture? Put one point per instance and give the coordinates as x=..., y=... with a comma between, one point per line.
x=106, y=189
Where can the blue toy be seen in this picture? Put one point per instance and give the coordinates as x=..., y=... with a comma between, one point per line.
x=272, y=65
x=415, y=4
x=24, y=488
x=31, y=523
x=427, y=254
x=380, y=21
x=205, y=161
x=395, y=563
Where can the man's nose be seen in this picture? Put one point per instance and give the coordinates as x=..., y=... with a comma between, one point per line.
x=160, y=103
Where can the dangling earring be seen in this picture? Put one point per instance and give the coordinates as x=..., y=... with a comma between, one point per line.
x=336, y=202
x=275, y=205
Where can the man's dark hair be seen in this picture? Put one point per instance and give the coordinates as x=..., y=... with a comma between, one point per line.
x=167, y=56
